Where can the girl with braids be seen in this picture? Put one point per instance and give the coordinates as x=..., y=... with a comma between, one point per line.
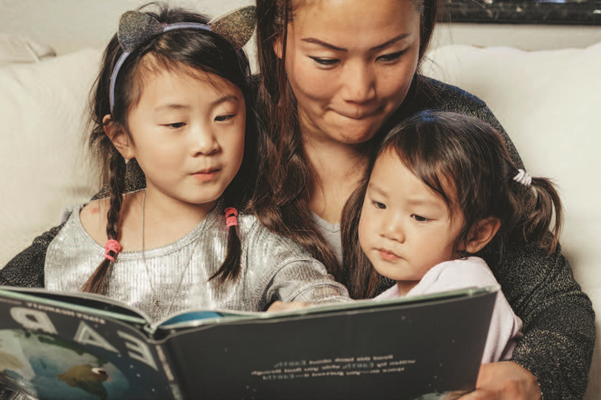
x=173, y=99
x=335, y=76
x=440, y=189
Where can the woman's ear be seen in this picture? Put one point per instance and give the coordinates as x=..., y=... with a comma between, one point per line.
x=481, y=234
x=119, y=137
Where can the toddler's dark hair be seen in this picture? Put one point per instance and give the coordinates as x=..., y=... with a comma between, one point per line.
x=186, y=51
x=465, y=161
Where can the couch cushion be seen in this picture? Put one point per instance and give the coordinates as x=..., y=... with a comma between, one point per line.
x=44, y=167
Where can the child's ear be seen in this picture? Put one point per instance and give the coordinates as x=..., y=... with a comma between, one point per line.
x=119, y=137
x=481, y=234
x=278, y=47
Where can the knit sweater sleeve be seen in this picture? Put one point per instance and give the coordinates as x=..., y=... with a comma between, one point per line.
x=558, y=318
x=487, y=116
x=26, y=269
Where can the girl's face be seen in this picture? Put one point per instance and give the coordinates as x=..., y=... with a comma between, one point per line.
x=350, y=64
x=188, y=135
x=405, y=227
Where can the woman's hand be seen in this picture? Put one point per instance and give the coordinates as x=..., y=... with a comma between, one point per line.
x=504, y=380
x=281, y=306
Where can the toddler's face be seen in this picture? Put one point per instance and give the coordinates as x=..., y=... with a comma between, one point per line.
x=188, y=135
x=405, y=227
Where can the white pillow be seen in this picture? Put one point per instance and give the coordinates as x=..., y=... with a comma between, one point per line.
x=549, y=102
x=42, y=138
x=22, y=49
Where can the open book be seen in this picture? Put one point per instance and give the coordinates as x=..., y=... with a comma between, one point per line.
x=83, y=346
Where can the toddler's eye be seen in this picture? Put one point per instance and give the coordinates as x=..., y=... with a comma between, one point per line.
x=378, y=205
x=419, y=218
x=175, y=125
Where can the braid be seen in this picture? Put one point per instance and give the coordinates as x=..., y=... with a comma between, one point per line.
x=230, y=269
x=96, y=283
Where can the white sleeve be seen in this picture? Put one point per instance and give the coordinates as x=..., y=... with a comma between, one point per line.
x=473, y=272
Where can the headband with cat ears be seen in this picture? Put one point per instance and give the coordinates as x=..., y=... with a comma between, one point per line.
x=135, y=28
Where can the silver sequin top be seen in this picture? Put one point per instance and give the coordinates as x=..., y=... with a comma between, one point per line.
x=272, y=268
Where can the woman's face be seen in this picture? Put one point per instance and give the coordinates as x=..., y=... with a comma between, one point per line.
x=350, y=64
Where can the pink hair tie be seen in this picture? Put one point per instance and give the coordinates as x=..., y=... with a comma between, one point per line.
x=111, y=246
x=231, y=215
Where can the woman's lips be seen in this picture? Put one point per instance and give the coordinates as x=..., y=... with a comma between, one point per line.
x=359, y=115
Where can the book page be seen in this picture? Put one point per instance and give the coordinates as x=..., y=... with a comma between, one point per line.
x=391, y=350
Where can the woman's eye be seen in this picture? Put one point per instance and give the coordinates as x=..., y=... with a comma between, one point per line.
x=326, y=62
x=419, y=218
x=225, y=117
x=391, y=57
x=378, y=205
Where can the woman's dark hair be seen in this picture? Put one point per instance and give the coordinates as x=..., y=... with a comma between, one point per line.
x=465, y=161
x=186, y=51
x=281, y=201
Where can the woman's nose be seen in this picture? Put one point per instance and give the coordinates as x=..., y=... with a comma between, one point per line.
x=359, y=82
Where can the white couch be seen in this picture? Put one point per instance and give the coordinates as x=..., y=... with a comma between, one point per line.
x=548, y=101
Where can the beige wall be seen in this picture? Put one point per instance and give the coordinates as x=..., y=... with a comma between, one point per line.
x=69, y=25
x=525, y=37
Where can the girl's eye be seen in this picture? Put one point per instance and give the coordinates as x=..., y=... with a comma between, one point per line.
x=225, y=117
x=419, y=218
x=326, y=62
x=175, y=125
x=378, y=205
x=391, y=57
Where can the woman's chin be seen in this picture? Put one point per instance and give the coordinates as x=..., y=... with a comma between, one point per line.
x=343, y=130
x=355, y=135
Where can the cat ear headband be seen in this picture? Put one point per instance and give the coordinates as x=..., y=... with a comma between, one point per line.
x=135, y=28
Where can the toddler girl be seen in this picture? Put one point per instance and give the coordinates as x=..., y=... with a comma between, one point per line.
x=441, y=188
x=174, y=94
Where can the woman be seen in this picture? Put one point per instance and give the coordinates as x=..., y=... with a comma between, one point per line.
x=334, y=75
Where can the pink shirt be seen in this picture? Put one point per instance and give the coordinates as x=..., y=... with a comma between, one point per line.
x=472, y=272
